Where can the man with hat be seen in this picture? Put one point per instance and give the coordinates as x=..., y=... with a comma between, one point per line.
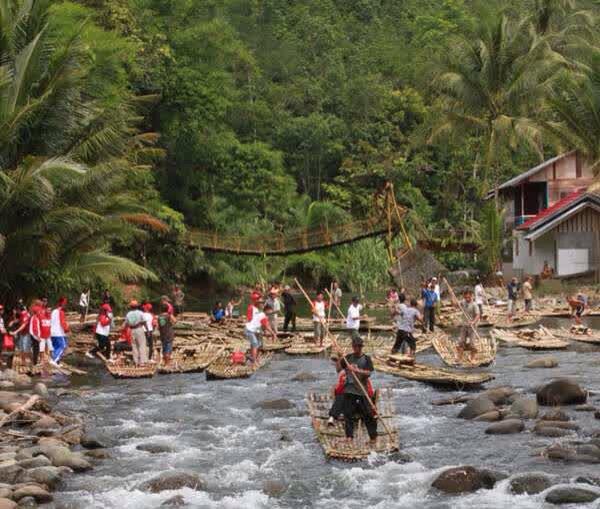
x=136, y=322
x=289, y=309
x=357, y=366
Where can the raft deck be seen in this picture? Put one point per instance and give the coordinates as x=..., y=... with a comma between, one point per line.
x=224, y=369
x=447, y=349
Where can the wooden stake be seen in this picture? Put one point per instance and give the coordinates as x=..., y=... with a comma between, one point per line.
x=24, y=407
x=341, y=353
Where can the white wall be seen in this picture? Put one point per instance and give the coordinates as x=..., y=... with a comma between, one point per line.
x=542, y=250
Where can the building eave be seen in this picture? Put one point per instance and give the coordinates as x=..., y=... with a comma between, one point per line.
x=537, y=231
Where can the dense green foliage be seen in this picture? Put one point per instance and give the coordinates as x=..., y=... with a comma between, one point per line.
x=258, y=116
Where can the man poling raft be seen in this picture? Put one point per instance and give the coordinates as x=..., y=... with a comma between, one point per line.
x=358, y=368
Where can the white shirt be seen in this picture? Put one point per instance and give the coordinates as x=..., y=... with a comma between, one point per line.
x=56, y=329
x=104, y=330
x=353, y=317
x=148, y=319
x=83, y=300
x=255, y=325
x=479, y=294
x=436, y=289
x=319, y=311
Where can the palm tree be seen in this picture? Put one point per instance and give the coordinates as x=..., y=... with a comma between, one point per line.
x=491, y=85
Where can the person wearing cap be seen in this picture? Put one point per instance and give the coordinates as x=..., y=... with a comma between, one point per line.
x=254, y=329
x=59, y=329
x=359, y=365
x=134, y=319
x=289, y=309
x=103, y=323
x=149, y=319
x=353, y=317
x=513, y=289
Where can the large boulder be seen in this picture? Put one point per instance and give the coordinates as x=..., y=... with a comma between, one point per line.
x=544, y=362
x=571, y=495
x=10, y=472
x=465, y=479
x=530, y=483
x=476, y=407
x=50, y=476
x=506, y=427
x=63, y=457
x=524, y=408
x=90, y=440
x=173, y=480
x=31, y=490
x=498, y=395
x=561, y=392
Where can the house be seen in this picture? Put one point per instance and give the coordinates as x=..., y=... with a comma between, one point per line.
x=553, y=216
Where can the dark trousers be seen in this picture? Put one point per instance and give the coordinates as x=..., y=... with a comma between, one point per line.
x=429, y=318
x=337, y=408
x=404, y=337
x=290, y=317
x=103, y=346
x=150, y=343
x=35, y=351
x=355, y=405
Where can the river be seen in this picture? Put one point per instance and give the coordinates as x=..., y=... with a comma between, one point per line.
x=215, y=430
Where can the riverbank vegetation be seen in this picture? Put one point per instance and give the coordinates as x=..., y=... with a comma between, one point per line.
x=125, y=124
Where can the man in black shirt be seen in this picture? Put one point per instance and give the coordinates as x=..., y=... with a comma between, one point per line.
x=355, y=401
x=289, y=309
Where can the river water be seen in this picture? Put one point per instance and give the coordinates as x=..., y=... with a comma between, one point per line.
x=214, y=429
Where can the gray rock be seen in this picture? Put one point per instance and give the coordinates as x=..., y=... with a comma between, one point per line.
x=10, y=472
x=176, y=501
x=492, y=416
x=5, y=493
x=92, y=441
x=304, y=377
x=50, y=476
x=154, y=448
x=99, y=454
x=45, y=422
x=6, y=384
x=9, y=398
x=6, y=456
x=524, y=408
x=476, y=407
x=506, y=427
x=27, y=503
x=173, y=480
x=561, y=392
x=6, y=503
x=544, y=362
x=498, y=395
x=41, y=390
x=22, y=380
x=588, y=479
x=274, y=488
x=275, y=404
x=63, y=457
x=38, y=493
x=571, y=495
x=38, y=461
x=597, y=414
x=558, y=452
x=549, y=431
x=585, y=408
x=557, y=424
x=530, y=483
x=465, y=479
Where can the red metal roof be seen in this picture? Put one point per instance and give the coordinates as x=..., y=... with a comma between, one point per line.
x=557, y=207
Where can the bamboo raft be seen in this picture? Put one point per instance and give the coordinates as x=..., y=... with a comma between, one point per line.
x=447, y=349
x=579, y=333
x=304, y=346
x=280, y=344
x=223, y=369
x=332, y=438
x=192, y=359
x=131, y=371
x=432, y=375
x=531, y=339
x=516, y=323
x=49, y=369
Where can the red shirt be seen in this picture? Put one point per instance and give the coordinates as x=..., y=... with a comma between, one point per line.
x=339, y=388
x=45, y=324
x=255, y=296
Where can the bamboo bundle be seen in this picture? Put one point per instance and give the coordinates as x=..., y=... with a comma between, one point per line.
x=303, y=346
x=268, y=345
x=332, y=438
x=579, y=333
x=532, y=339
x=448, y=350
x=516, y=322
x=223, y=369
x=192, y=359
x=432, y=375
x=131, y=371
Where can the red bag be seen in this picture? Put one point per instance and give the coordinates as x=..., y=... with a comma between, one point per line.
x=238, y=358
x=8, y=342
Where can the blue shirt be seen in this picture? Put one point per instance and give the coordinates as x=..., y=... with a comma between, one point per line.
x=430, y=298
x=219, y=314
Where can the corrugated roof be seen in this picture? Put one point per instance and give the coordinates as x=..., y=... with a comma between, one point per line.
x=558, y=207
x=529, y=173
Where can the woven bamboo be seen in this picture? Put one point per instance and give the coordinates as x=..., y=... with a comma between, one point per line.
x=332, y=438
x=131, y=371
x=268, y=345
x=579, y=333
x=192, y=359
x=447, y=349
x=532, y=339
x=223, y=369
x=516, y=322
x=305, y=346
x=439, y=377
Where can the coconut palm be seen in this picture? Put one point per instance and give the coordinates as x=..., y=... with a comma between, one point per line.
x=492, y=84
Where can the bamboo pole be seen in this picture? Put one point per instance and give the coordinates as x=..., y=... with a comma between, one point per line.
x=341, y=353
x=334, y=303
x=455, y=301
